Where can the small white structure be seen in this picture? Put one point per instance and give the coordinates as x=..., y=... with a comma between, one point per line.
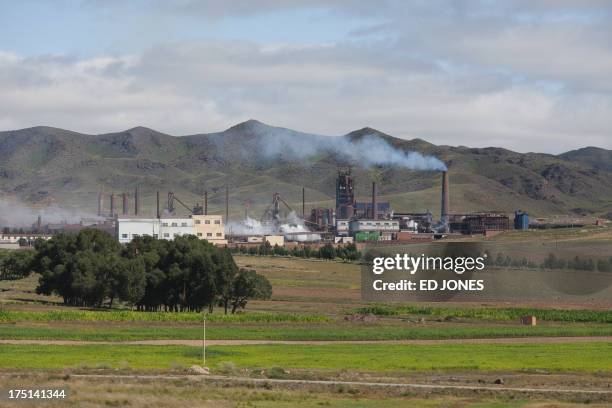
x=342, y=227
x=13, y=238
x=343, y=240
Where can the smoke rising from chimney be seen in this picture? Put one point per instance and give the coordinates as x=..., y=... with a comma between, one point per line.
x=370, y=150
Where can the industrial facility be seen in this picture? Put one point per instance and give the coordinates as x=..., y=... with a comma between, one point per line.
x=350, y=221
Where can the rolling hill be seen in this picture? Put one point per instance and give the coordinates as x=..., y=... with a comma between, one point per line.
x=44, y=166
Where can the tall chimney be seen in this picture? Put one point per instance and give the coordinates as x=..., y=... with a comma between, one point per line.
x=112, y=204
x=100, y=203
x=206, y=202
x=374, y=203
x=445, y=202
x=124, y=198
x=303, y=203
x=226, y=204
x=136, y=201
x=157, y=204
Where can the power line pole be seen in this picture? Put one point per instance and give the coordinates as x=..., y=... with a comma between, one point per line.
x=203, y=339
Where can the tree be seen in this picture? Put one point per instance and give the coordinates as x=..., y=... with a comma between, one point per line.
x=225, y=274
x=185, y=274
x=16, y=265
x=248, y=285
x=77, y=267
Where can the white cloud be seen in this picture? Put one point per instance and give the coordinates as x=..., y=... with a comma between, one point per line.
x=530, y=76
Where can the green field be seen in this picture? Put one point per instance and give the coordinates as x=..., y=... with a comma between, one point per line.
x=121, y=316
x=572, y=357
x=293, y=332
x=491, y=313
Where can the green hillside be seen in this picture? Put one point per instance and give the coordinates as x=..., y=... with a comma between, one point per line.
x=44, y=166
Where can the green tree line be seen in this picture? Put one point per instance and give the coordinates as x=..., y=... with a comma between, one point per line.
x=15, y=264
x=186, y=274
x=578, y=263
x=328, y=251
x=552, y=261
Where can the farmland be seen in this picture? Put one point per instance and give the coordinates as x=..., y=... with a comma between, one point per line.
x=327, y=359
x=316, y=301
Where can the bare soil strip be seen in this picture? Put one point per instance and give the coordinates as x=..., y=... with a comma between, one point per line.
x=511, y=340
x=218, y=378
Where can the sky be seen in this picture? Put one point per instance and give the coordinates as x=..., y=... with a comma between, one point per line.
x=528, y=75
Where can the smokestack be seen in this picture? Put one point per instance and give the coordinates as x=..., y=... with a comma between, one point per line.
x=157, y=203
x=112, y=204
x=124, y=198
x=374, y=204
x=226, y=204
x=100, y=201
x=206, y=202
x=303, y=203
x=136, y=201
x=445, y=201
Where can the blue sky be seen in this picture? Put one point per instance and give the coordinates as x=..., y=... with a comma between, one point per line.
x=526, y=75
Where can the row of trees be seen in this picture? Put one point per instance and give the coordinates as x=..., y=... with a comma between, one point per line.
x=186, y=274
x=554, y=262
x=578, y=263
x=15, y=264
x=348, y=252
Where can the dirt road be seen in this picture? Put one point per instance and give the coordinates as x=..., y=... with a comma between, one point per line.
x=245, y=380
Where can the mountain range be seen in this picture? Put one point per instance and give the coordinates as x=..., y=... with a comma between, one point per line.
x=55, y=168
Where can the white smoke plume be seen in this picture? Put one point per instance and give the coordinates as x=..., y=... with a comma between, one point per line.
x=368, y=151
x=291, y=225
x=16, y=214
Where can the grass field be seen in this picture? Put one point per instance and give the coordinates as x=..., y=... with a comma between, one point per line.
x=370, y=358
x=491, y=313
x=340, y=331
x=152, y=317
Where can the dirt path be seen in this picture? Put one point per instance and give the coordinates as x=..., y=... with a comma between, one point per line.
x=358, y=384
x=517, y=340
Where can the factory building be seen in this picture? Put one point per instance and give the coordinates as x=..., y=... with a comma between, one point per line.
x=210, y=228
x=364, y=210
x=373, y=230
x=161, y=228
x=345, y=195
x=171, y=228
x=322, y=219
x=130, y=228
x=478, y=223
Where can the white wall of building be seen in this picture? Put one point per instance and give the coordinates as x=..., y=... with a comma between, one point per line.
x=171, y=228
x=374, y=225
x=130, y=228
